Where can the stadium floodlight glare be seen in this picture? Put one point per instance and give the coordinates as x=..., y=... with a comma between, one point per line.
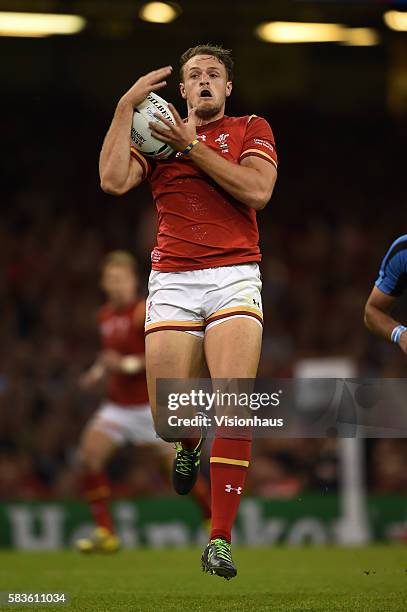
x=396, y=20
x=37, y=25
x=298, y=32
x=159, y=12
x=361, y=37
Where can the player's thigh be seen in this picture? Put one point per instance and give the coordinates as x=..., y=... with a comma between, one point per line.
x=172, y=354
x=232, y=348
x=95, y=448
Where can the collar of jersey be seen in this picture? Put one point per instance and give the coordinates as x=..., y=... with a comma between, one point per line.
x=209, y=126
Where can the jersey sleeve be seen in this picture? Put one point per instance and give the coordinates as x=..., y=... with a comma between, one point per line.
x=259, y=141
x=145, y=164
x=393, y=270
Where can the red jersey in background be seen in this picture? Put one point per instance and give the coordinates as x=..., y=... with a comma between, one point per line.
x=122, y=330
x=199, y=224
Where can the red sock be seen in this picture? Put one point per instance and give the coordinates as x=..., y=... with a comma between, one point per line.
x=229, y=462
x=97, y=492
x=202, y=495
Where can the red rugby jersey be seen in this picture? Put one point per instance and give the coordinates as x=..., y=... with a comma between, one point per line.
x=122, y=330
x=199, y=224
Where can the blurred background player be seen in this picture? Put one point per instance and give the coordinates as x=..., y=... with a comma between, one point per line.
x=125, y=416
x=391, y=283
x=204, y=289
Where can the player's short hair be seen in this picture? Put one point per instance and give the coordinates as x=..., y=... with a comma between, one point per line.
x=119, y=258
x=223, y=55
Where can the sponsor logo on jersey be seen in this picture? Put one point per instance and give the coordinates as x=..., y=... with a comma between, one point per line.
x=263, y=143
x=155, y=255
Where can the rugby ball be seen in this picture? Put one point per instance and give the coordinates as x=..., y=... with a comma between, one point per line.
x=141, y=137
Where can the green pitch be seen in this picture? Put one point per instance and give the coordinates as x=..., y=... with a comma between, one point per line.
x=325, y=579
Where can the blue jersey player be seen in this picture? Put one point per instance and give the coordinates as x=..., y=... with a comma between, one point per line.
x=389, y=286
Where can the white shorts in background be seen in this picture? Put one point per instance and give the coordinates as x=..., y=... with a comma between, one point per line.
x=127, y=425
x=196, y=300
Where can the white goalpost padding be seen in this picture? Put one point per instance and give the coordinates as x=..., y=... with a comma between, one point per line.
x=353, y=526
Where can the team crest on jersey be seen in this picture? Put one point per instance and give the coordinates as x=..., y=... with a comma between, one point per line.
x=223, y=145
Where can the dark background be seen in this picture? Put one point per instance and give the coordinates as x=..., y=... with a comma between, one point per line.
x=339, y=117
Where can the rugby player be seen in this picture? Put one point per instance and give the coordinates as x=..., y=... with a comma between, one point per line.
x=391, y=283
x=125, y=415
x=204, y=288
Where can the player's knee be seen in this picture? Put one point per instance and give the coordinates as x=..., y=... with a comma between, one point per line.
x=88, y=460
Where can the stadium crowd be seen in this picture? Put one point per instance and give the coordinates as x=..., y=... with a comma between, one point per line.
x=334, y=214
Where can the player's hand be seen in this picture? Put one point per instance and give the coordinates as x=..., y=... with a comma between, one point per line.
x=111, y=360
x=403, y=342
x=153, y=81
x=92, y=377
x=178, y=136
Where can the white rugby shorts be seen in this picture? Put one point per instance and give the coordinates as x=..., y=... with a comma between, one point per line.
x=127, y=425
x=196, y=300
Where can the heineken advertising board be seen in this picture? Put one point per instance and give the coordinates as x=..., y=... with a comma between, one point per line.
x=161, y=522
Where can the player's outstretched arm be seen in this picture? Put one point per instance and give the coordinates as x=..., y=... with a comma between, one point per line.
x=378, y=320
x=126, y=364
x=119, y=172
x=251, y=182
x=92, y=376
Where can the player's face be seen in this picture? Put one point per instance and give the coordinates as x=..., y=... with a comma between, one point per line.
x=119, y=283
x=205, y=86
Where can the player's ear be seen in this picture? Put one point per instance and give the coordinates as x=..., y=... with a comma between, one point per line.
x=182, y=90
x=229, y=86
